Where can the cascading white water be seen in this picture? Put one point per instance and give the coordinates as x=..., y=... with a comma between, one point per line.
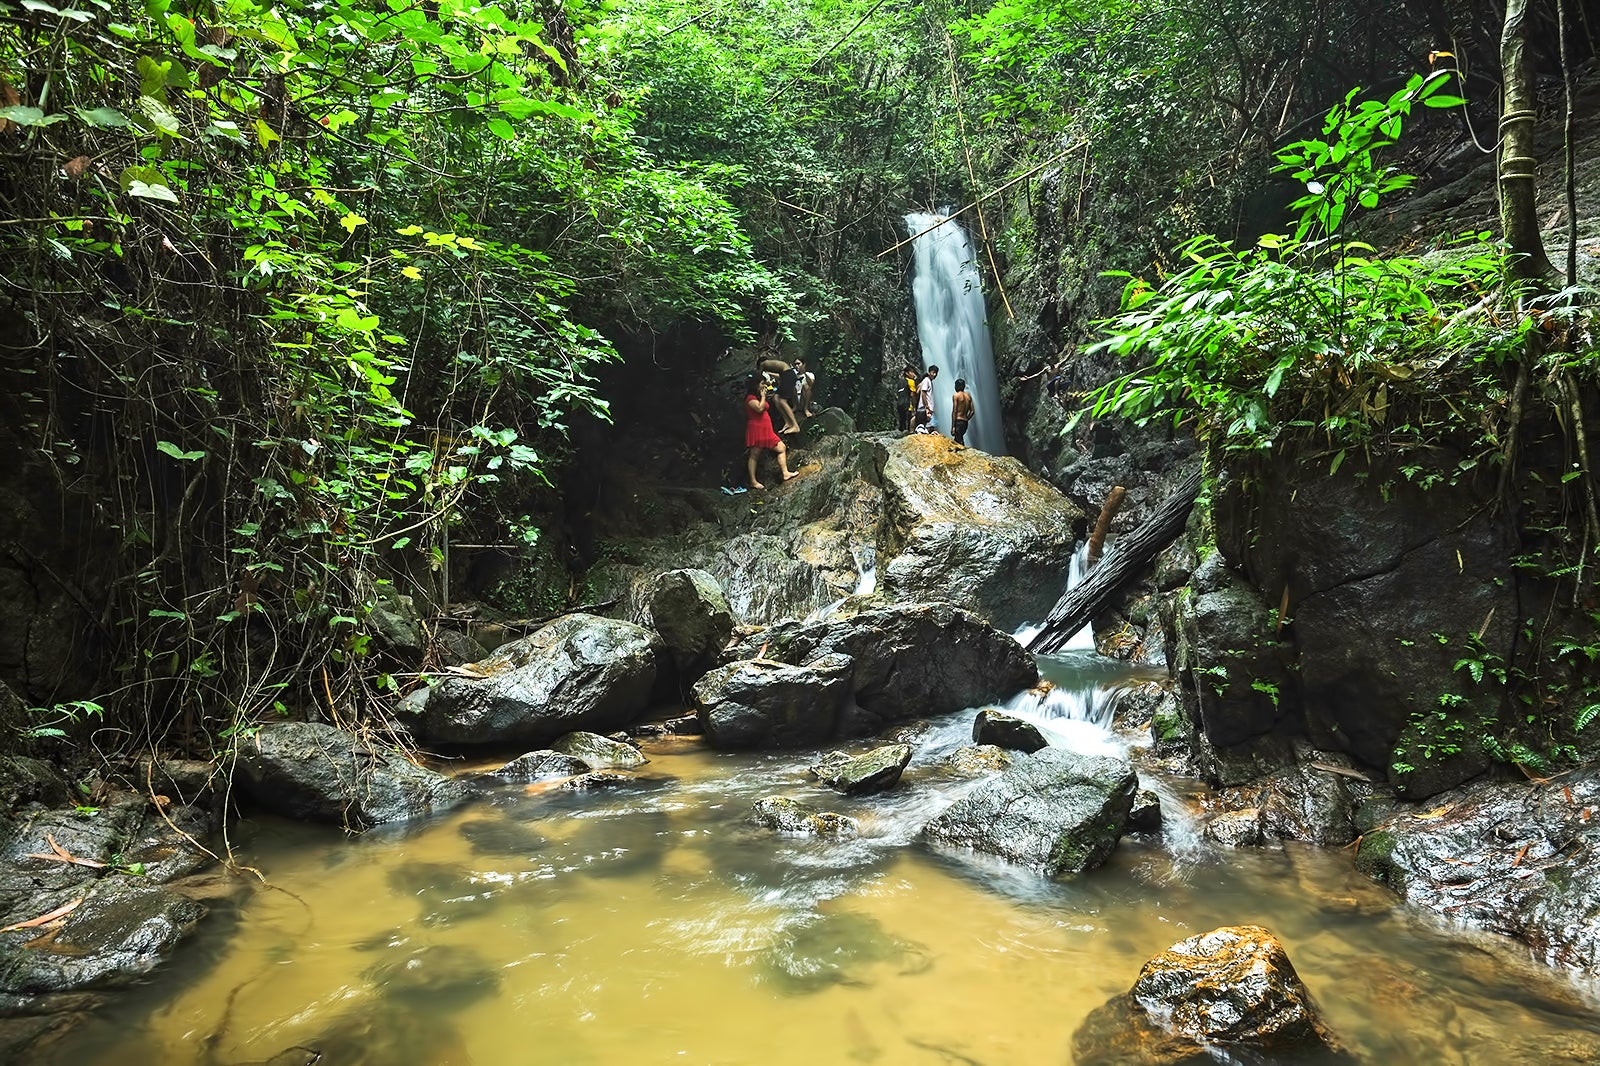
x=954, y=328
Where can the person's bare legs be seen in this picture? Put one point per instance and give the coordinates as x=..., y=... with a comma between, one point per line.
x=783, y=461
x=790, y=425
x=750, y=465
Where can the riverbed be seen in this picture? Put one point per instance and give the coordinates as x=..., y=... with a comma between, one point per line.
x=651, y=924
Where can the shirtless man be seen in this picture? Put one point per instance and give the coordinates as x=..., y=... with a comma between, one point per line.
x=960, y=413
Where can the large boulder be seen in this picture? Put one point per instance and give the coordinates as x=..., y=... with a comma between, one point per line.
x=858, y=775
x=579, y=672
x=1518, y=858
x=690, y=612
x=760, y=703
x=1055, y=810
x=975, y=529
x=1390, y=582
x=808, y=683
x=1230, y=995
x=321, y=774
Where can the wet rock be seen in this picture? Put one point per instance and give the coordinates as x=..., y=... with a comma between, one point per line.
x=901, y=662
x=764, y=580
x=978, y=761
x=579, y=672
x=1233, y=669
x=1235, y=829
x=24, y=780
x=321, y=774
x=1007, y=731
x=1308, y=804
x=760, y=703
x=834, y=420
x=537, y=765
x=599, y=753
x=1055, y=809
x=791, y=816
x=120, y=932
x=596, y=780
x=875, y=771
x=1231, y=993
x=979, y=530
x=1517, y=858
x=457, y=648
x=690, y=612
x=1145, y=817
x=396, y=627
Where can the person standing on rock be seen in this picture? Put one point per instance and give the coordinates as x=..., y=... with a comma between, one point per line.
x=758, y=434
x=925, y=399
x=808, y=383
x=908, y=398
x=961, y=411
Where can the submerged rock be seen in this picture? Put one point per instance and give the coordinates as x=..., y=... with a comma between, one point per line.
x=1517, y=858
x=791, y=816
x=1055, y=809
x=1235, y=829
x=321, y=774
x=1007, y=731
x=599, y=753
x=579, y=672
x=536, y=765
x=976, y=761
x=1230, y=994
x=859, y=775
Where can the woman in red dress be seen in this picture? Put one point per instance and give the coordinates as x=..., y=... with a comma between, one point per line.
x=758, y=434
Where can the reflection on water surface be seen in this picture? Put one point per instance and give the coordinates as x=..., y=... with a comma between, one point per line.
x=653, y=925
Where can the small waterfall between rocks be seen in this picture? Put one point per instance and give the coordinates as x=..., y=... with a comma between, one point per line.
x=954, y=328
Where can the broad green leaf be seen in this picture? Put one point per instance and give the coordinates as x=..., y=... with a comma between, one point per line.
x=30, y=116
x=102, y=117
x=152, y=191
x=351, y=221
x=168, y=448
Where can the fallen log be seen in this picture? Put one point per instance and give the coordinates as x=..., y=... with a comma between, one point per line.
x=1123, y=561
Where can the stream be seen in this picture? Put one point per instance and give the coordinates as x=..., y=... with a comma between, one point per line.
x=654, y=925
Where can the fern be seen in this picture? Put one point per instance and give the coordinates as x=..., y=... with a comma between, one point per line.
x=1585, y=716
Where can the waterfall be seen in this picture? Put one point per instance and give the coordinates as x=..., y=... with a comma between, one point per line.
x=954, y=328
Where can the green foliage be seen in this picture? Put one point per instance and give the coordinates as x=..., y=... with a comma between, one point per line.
x=1309, y=331
x=312, y=284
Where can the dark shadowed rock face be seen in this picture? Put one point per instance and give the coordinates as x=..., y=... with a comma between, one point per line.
x=1231, y=991
x=875, y=771
x=1055, y=810
x=579, y=672
x=1514, y=858
x=901, y=662
x=321, y=774
x=1007, y=731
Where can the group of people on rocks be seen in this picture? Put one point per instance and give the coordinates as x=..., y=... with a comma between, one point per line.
x=778, y=394
x=772, y=396
x=916, y=414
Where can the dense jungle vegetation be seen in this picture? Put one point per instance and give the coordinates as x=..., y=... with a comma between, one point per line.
x=294, y=296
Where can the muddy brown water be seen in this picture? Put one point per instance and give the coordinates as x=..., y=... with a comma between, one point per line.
x=652, y=925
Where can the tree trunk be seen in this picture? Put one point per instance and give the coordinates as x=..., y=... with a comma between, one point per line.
x=1518, y=182
x=1126, y=558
